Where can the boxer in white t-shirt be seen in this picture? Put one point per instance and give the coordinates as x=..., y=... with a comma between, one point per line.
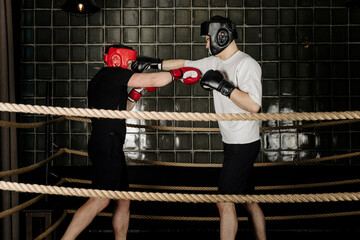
x=236, y=79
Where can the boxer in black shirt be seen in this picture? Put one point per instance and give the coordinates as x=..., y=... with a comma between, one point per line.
x=108, y=90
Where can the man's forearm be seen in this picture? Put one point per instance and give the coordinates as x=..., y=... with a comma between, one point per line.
x=130, y=105
x=243, y=100
x=172, y=64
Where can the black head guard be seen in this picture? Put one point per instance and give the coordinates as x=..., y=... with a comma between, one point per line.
x=221, y=32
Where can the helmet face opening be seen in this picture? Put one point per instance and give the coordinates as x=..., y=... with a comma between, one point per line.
x=119, y=57
x=221, y=34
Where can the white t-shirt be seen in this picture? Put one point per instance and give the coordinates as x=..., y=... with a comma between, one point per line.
x=245, y=73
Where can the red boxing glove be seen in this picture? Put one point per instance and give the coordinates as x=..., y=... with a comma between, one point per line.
x=187, y=75
x=137, y=92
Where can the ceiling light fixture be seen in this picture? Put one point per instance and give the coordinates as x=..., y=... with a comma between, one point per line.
x=80, y=7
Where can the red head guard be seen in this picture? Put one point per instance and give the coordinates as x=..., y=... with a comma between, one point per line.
x=119, y=57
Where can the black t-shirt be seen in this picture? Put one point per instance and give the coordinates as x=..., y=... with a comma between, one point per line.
x=108, y=90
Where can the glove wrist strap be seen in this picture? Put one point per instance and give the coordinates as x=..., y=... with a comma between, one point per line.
x=176, y=74
x=227, y=89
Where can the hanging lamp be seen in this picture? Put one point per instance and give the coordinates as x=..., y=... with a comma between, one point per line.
x=80, y=7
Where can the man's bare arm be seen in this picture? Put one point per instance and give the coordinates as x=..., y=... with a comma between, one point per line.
x=172, y=64
x=130, y=105
x=243, y=100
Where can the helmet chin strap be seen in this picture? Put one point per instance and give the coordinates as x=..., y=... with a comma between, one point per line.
x=210, y=52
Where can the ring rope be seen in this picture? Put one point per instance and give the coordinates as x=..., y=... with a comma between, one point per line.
x=193, y=129
x=258, y=188
x=178, y=197
x=83, y=181
x=187, y=218
x=52, y=227
x=21, y=206
x=311, y=125
x=169, y=164
x=31, y=125
x=31, y=167
x=216, y=165
x=310, y=160
x=185, y=129
x=27, y=203
x=346, y=197
x=152, y=187
x=69, y=151
x=178, y=116
x=168, y=128
x=308, y=185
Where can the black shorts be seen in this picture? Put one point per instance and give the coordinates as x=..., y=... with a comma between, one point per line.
x=108, y=162
x=236, y=172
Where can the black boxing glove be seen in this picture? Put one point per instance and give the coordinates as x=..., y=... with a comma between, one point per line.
x=215, y=80
x=143, y=63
